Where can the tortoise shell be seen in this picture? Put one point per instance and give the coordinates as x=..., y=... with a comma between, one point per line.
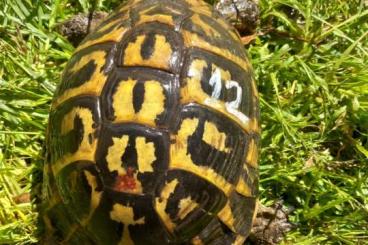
x=153, y=132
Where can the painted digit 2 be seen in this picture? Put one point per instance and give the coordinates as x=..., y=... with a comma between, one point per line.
x=232, y=106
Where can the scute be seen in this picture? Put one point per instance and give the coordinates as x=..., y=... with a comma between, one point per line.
x=153, y=132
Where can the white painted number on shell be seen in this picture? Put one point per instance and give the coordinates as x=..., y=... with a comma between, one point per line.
x=215, y=82
x=232, y=106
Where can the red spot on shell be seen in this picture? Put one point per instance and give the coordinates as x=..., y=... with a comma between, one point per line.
x=125, y=182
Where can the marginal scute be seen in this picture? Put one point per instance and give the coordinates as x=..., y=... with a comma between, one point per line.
x=112, y=24
x=252, y=155
x=157, y=13
x=192, y=204
x=112, y=36
x=227, y=217
x=161, y=204
x=243, y=188
x=197, y=5
x=95, y=195
x=248, y=181
x=239, y=240
x=232, y=31
x=197, y=241
x=194, y=40
x=241, y=209
x=204, y=26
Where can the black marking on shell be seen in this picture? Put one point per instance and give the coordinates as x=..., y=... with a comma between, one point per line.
x=148, y=46
x=138, y=96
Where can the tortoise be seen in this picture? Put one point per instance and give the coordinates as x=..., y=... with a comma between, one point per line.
x=153, y=132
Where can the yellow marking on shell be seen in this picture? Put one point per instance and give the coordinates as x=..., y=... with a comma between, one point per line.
x=198, y=6
x=196, y=69
x=239, y=240
x=208, y=30
x=52, y=199
x=194, y=2
x=257, y=204
x=227, y=217
x=114, y=154
x=145, y=17
x=174, y=11
x=193, y=92
x=86, y=149
x=254, y=88
x=252, y=154
x=214, y=137
x=197, y=241
x=181, y=159
x=67, y=123
x=161, y=203
x=112, y=36
x=146, y=154
x=225, y=74
x=165, y=19
x=160, y=57
x=123, y=101
x=72, y=229
x=243, y=188
x=93, y=86
x=127, y=5
x=254, y=125
x=114, y=162
x=153, y=103
x=125, y=215
x=234, y=34
x=186, y=206
x=48, y=225
x=95, y=196
x=110, y=24
x=204, y=10
x=193, y=40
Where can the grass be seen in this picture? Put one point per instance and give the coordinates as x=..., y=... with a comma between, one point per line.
x=310, y=59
